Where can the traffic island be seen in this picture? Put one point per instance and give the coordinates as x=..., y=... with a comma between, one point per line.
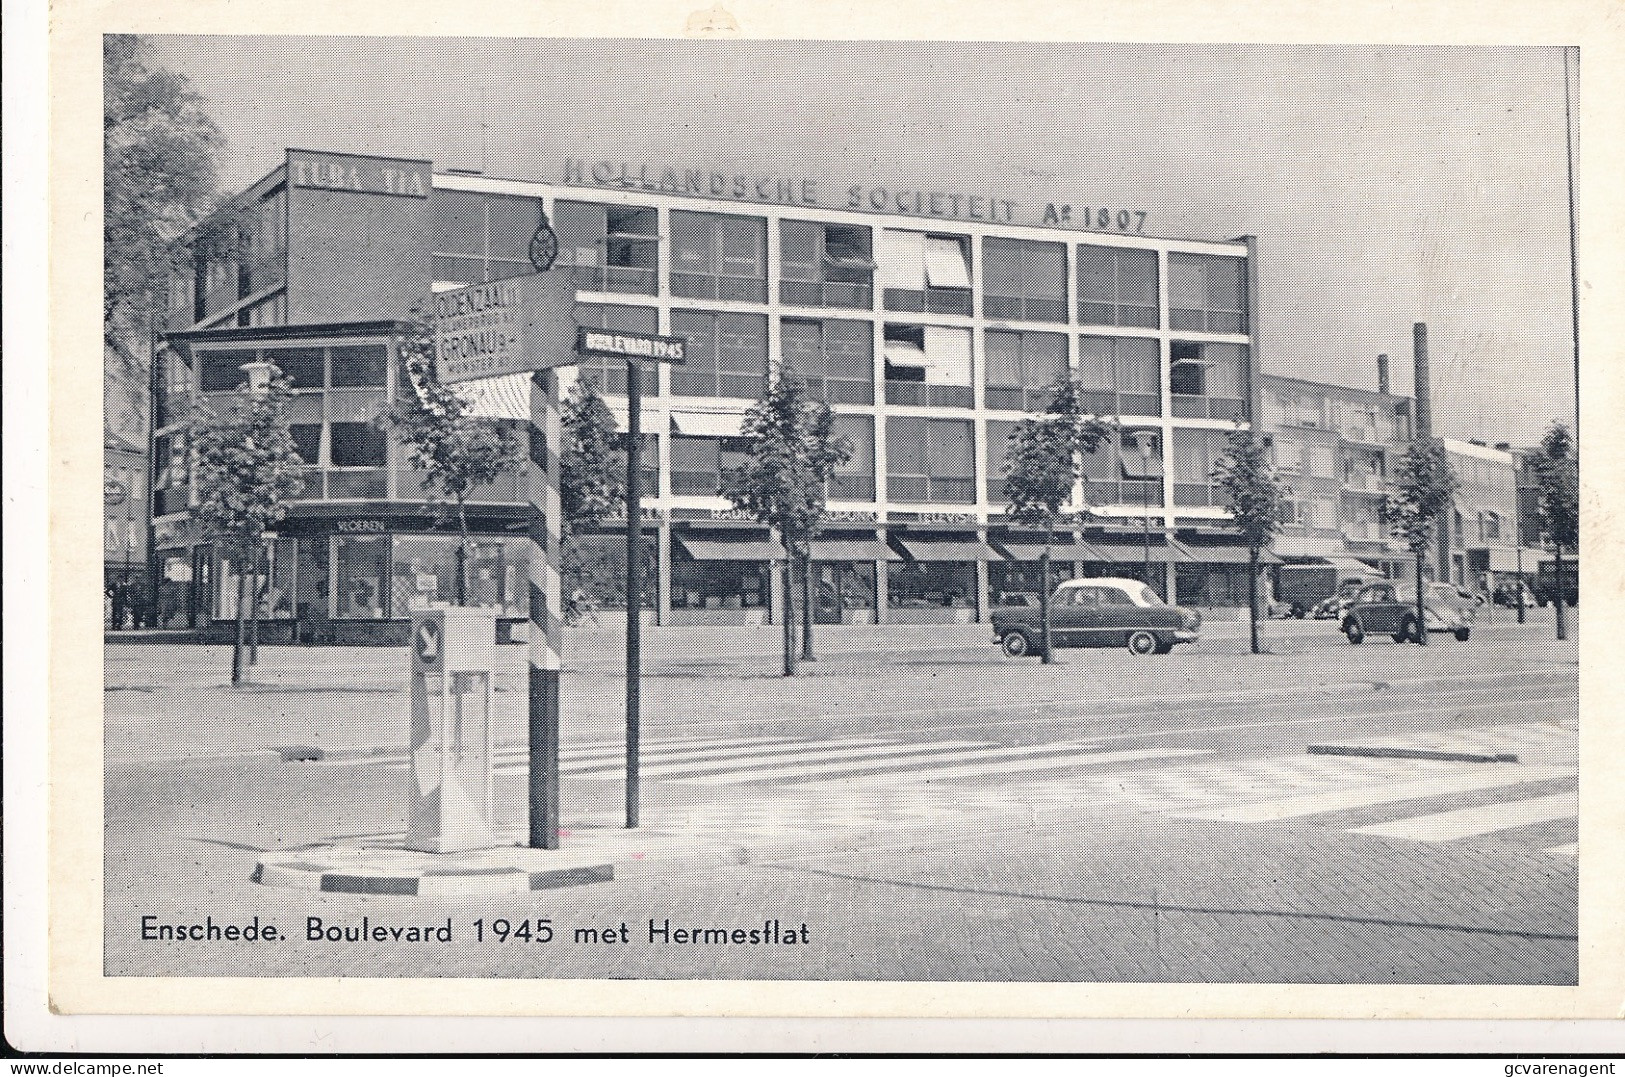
x=1385, y=752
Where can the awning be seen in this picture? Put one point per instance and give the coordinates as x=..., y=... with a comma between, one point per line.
x=1061, y=551
x=1128, y=549
x=853, y=550
x=922, y=549
x=1505, y=558
x=1233, y=555
x=1348, y=564
x=706, y=424
x=741, y=549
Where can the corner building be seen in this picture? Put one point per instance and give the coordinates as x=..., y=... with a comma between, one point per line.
x=930, y=321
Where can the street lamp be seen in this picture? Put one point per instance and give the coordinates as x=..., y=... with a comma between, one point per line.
x=1145, y=439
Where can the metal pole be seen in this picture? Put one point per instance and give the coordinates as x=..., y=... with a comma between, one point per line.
x=546, y=610
x=1518, y=594
x=1145, y=506
x=634, y=576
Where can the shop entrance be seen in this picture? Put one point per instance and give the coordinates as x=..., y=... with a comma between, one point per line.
x=844, y=592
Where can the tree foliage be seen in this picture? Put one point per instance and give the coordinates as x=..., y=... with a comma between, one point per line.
x=247, y=467
x=1557, y=480
x=792, y=451
x=1254, y=494
x=457, y=450
x=1427, y=488
x=160, y=179
x=592, y=486
x=1043, y=462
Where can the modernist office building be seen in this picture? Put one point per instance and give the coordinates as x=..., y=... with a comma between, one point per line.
x=931, y=321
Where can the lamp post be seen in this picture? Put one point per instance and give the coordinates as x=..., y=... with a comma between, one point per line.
x=1145, y=439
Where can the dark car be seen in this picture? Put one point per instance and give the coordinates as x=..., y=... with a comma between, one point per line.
x=1388, y=609
x=1104, y=612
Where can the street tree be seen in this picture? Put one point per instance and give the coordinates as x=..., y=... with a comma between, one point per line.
x=1255, y=498
x=160, y=175
x=1043, y=464
x=1427, y=487
x=458, y=450
x=592, y=486
x=246, y=469
x=1557, y=480
x=792, y=450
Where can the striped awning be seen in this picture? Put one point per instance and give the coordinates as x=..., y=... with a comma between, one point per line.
x=706, y=424
x=740, y=549
x=922, y=549
x=853, y=550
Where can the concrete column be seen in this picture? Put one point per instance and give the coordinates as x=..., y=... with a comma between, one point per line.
x=981, y=590
x=663, y=574
x=882, y=593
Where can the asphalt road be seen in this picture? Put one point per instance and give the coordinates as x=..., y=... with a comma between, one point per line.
x=930, y=809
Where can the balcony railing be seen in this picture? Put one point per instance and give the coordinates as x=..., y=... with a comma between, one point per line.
x=627, y=280
x=812, y=293
x=923, y=489
x=1209, y=407
x=920, y=395
x=1023, y=308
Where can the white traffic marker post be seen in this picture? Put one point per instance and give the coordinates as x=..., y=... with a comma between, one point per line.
x=452, y=655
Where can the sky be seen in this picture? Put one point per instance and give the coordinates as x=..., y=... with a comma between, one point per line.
x=1386, y=185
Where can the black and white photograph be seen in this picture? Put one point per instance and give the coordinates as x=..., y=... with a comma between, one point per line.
x=788, y=518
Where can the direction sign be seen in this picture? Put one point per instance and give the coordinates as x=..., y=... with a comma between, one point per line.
x=505, y=327
x=632, y=345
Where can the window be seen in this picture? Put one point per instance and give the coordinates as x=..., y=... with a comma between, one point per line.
x=303, y=367
x=610, y=248
x=360, y=366
x=307, y=439
x=1023, y=280
x=1021, y=368
x=480, y=237
x=1208, y=381
x=1121, y=375
x=699, y=463
x=930, y=460
x=1322, y=462
x=218, y=370
x=1288, y=455
x=998, y=445
x=609, y=371
x=855, y=479
x=357, y=445
x=928, y=366
x=1195, y=452
x=835, y=358
x=925, y=273
x=1207, y=293
x=363, y=577
x=1117, y=287
x=1490, y=526
x=825, y=265
x=727, y=354
x=718, y=257
x=264, y=246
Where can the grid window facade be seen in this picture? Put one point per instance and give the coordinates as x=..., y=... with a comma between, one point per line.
x=609, y=248
x=930, y=460
x=1208, y=381
x=928, y=366
x=835, y=358
x=1120, y=375
x=715, y=256
x=1023, y=280
x=855, y=479
x=1207, y=293
x=1195, y=453
x=1117, y=286
x=1022, y=368
x=699, y=464
x=925, y=273
x=477, y=237
x=727, y=354
x=826, y=265
x=609, y=372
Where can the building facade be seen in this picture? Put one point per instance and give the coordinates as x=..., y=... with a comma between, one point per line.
x=124, y=531
x=931, y=322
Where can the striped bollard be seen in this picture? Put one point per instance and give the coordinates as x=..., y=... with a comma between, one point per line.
x=546, y=608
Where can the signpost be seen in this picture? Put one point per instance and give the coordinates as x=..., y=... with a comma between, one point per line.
x=514, y=326
x=633, y=347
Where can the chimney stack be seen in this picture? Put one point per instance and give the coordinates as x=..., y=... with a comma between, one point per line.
x=1424, y=406
x=1382, y=374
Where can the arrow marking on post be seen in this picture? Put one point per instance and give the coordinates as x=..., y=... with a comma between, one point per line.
x=428, y=642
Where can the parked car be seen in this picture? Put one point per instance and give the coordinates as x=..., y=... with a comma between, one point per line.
x=1333, y=608
x=1513, y=594
x=1099, y=612
x=1390, y=609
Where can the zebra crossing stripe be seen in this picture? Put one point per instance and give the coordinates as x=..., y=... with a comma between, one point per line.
x=1486, y=776
x=1571, y=849
x=703, y=758
x=1067, y=762
x=835, y=759
x=944, y=764
x=1471, y=822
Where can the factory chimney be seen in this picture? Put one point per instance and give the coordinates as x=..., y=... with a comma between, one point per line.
x=1424, y=407
x=1382, y=374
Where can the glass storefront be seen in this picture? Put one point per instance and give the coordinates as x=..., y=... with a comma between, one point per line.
x=719, y=585
x=931, y=584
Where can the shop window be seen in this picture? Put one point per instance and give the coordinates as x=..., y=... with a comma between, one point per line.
x=362, y=577
x=928, y=366
x=1120, y=375
x=835, y=358
x=855, y=479
x=357, y=445
x=925, y=273
x=930, y=460
x=931, y=584
x=825, y=265
x=1117, y=286
x=595, y=567
x=610, y=371
x=1207, y=293
x=1022, y=367
x=727, y=354
x=1019, y=582
x=718, y=585
x=999, y=433
x=1208, y=381
x=718, y=257
x=1023, y=280
x=609, y=248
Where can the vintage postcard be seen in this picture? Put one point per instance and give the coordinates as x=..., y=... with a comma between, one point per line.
x=1105, y=515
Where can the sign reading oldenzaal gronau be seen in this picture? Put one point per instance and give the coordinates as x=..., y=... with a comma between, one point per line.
x=505, y=327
